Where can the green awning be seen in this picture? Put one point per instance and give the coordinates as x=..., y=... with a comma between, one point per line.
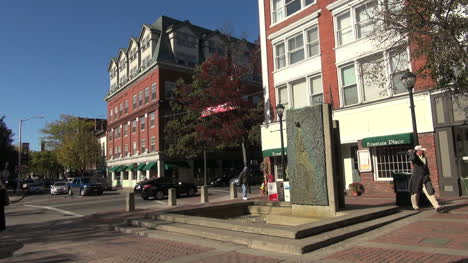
x=274, y=152
x=131, y=167
x=121, y=168
x=100, y=169
x=396, y=139
x=114, y=169
x=150, y=165
x=172, y=165
x=140, y=166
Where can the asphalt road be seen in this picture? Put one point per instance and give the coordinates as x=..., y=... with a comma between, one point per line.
x=44, y=207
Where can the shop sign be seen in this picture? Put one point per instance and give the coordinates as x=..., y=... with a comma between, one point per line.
x=396, y=139
x=364, y=161
x=274, y=152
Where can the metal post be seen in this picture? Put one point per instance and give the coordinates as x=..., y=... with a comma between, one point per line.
x=19, y=157
x=204, y=168
x=413, y=117
x=282, y=147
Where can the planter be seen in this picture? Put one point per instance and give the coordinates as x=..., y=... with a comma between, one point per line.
x=354, y=193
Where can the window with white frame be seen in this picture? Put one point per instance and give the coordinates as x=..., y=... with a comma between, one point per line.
x=152, y=119
x=299, y=93
x=140, y=98
x=142, y=123
x=388, y=159
x=153, y=144
x=355, y=23
x=125, y=128
x=153, y=91
x=120, y=110
x=134, y=147
x=146, y=95
x=281, y=9
x=134, y=101
x=116, y=110
x=398, y=65
x=126, y=107
x=283, y=97
x=142, y=145
x=169, y=89
x=295, y=49
x=373, y=77
x=344, y=29
x=134, y=125
x=312, y=42
x=316, y=90
x=349, y=85
x=280, y=56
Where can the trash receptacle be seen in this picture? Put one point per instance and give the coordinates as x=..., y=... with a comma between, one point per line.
x=400, y=186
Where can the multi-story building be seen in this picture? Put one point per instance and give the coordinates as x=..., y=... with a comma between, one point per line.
x=142, y=80
x=320, y=51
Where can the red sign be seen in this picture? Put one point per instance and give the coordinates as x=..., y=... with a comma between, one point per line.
x=217, y=109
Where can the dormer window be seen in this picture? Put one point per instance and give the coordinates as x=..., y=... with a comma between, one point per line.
x=185, y=40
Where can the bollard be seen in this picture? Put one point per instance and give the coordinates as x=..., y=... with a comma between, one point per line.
x=204, y=194
x=233, y=191
x=130, y=202
x=171, y=197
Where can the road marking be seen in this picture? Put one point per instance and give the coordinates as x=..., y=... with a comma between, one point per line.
x=56, y=209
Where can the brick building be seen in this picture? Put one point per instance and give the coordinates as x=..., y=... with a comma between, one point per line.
x=142, y=80
x=320, y=51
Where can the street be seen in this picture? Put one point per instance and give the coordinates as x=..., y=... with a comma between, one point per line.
x=41, y=208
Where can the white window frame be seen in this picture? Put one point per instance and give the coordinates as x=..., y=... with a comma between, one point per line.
x=143, y=145
x=282, y=7
x=142, y=123
x=147, y=99
x=316, y=42
x=278, y=57
x=341, y=87
x=153, y=91
x=309, y=87
x=153, y=144
x=397, y=158
x=296, y=49
x=152, y=119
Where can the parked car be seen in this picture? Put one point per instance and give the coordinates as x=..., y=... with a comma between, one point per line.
x=59, y=188
x=158, y=188
x=84, y=186
x=223, y=180
x=35, y=188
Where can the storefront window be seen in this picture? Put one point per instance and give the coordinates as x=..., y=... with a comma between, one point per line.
x=388, y=159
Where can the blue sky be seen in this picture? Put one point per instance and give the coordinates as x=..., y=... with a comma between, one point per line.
x=55, y=53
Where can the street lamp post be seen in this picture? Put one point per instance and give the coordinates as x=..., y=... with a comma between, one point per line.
x=409, y=79
x=19, y=150
x=280, y=111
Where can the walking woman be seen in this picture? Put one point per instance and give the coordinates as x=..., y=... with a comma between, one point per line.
x=420, y=181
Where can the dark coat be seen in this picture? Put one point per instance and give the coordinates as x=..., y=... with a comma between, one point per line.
x=244, y=177
x=419, y=176
x=4, y=201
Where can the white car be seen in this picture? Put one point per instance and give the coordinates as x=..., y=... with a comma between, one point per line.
x=58, y=188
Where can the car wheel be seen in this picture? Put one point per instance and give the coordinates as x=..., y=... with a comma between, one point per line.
x=70, y=192
x=82, y=192
x=144, y=197
x=159, y=195
x=190, y=192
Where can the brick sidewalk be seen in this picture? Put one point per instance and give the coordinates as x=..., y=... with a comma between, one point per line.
x=426, y=237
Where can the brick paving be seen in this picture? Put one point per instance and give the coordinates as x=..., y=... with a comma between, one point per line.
x=233, y=257
x=360, y=254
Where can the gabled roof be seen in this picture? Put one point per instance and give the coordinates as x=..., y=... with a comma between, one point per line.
x=148, y=27
x=163, y=51
x=112, y=61
x=132, y=39
x=122, y=51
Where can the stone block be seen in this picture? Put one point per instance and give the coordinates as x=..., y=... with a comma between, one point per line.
x=204, y=194
x=171, y=197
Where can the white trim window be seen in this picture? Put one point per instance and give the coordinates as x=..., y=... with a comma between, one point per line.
x=126, y=107
x=387, y=159
x=283, y=96
x=280, y=56
x=281, y=9
x=316, y=89
x=125, y=126
x=355, y=23
x=295, y=49
x=152, y=119
x=142, y=123
x=153, y=144
x=134, y=147
x=312, y=39
x=142, y=145
x=153, y=91
x=299, y=93
x=134, y=125
x=140, y=98
x=146, y=95
x=374, y=77
x=134, y=101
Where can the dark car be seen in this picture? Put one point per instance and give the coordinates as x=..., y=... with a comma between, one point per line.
x=223, y=180
x=84, y=186
x=158, y=188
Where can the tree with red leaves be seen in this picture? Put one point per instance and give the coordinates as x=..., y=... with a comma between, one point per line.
x=217, y=110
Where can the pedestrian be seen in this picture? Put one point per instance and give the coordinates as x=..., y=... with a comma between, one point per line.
x=420, y=180
x=4, y=201
x=244, y=181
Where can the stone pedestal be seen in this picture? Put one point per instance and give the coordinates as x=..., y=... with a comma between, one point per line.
x=233, y=191
x=204, y=194
x=171, y=197
x=130, y=204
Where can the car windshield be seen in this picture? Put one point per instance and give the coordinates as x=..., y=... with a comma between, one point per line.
x=59, y=184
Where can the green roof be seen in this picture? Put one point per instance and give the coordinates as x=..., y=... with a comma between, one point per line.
x=140, y=166
x=131, y=167
x=113, y=169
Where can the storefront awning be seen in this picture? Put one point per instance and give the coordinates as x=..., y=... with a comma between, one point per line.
x=121, y=168
x=150, y=165
x=114, y=169
x=172, y=165
x=395, y=139
x=274, y=152
x=131, y=167
x=141, y=166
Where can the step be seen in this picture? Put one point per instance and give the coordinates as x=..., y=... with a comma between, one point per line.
x=272, y=243
x=269, y=210
x=288, y=220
